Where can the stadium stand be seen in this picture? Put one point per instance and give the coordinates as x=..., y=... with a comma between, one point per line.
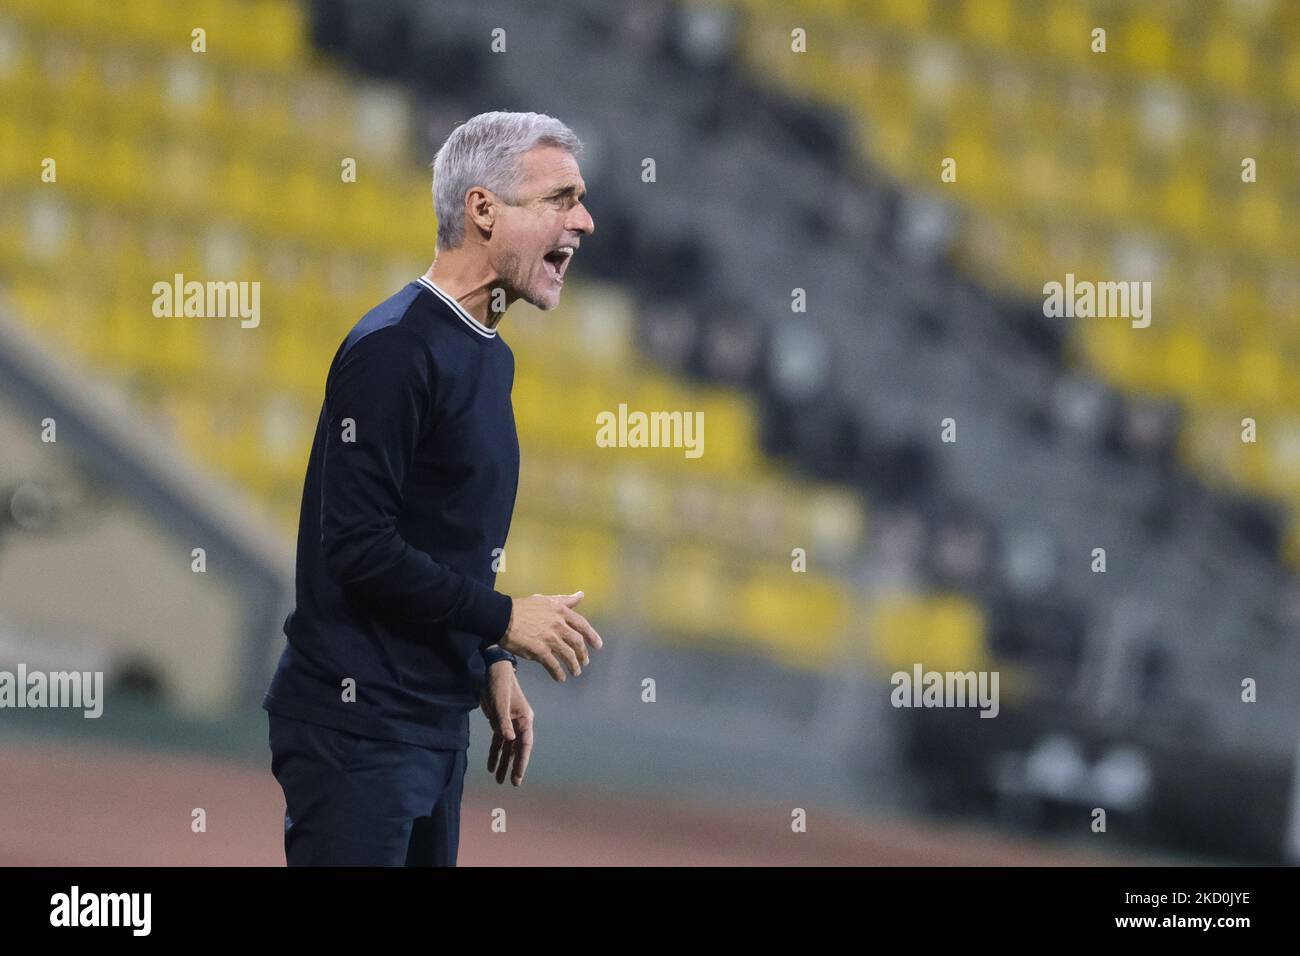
x=797, y=271
x=242, y=400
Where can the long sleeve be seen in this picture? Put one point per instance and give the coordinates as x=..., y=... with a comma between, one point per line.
x=384, y=384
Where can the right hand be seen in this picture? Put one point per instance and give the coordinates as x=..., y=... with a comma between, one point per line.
x=546, y=629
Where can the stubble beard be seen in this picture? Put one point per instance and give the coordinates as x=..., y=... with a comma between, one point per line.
x=515, y=282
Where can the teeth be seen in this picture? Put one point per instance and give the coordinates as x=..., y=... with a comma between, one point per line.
x=567, y=250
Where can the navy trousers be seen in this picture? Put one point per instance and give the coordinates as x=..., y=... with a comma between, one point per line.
x=356, y=801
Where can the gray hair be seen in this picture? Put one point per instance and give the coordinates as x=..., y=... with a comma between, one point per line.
x=485, y=151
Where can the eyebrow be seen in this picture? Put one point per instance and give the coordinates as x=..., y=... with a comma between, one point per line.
x=564, y=190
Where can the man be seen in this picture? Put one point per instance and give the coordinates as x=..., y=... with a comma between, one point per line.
x=398, y=633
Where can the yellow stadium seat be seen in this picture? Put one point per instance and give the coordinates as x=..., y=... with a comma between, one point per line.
x=941, y=632
x=1147, y=44
x=912, y=14
x=1067, y=31
x=1259, y=216
x=989, y=21
x=1225, y=58
x=691, y=594
x=1258, y=373
x=800, y=620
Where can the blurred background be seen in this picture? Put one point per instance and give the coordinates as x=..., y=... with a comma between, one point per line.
x=797, y=269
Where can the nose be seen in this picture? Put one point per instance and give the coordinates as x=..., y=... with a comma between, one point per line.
x=581, y=220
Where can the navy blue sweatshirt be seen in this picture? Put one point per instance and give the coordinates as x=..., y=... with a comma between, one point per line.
x=407, y=502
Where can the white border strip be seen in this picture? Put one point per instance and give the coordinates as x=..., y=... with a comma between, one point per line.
x=465, y=317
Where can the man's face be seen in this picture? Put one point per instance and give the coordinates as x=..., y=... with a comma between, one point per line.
x=530, y=240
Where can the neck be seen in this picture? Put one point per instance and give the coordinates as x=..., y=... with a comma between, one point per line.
x=464, y=274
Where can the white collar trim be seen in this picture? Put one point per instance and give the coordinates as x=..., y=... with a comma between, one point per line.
x=465, y=317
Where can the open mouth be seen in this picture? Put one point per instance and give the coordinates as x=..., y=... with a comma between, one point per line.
x=557, y=262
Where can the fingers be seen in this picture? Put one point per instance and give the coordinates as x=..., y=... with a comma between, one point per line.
x=569, y=600
x=568, y=646
x=494, y=752
x=548, y=660
x=523, y=749
x=543, y=653
x=583, y=626
x=507, y=748
x=501, y=714
x=554, y=635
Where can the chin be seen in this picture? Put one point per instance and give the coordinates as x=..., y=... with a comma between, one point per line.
x=545, y=302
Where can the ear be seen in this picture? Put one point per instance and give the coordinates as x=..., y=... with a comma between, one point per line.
x=481, y=209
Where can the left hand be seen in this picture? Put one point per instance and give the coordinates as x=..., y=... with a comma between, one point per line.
x=507, y=709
